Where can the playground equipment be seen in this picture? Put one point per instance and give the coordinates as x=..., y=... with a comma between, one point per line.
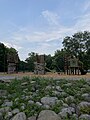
x=40, y=64
x=74, y=66
x=12, y=60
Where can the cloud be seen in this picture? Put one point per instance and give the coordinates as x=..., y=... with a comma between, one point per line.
x=82, y=24
x=48, y=40
x=87, y=6
x=51, y=17
x=9, y=45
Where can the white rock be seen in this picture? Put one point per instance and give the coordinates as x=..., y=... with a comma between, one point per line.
x=68, y=84
x=86, y=97
x=46, y=106
x=38, y=103
x=84, y=105
x=56, y=92
x=31, y=102
x=58, y=88
x=5, y=109
x=84, y=117
x=1, y=116
x=8, y=104
x=8, y=115
x=19, y=116
x=69, y=99
x=65, y=111
x=48, y=115
x=3, y=92
x=32, y=118
x=65, y=105
x=49, y=100
x=15, y=111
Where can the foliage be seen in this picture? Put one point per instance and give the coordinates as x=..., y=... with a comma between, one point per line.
x=58, y=60
x=3, y=56
x=78, y=45
x=30, y=61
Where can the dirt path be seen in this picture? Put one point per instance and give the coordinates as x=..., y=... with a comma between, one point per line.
x=47, y=75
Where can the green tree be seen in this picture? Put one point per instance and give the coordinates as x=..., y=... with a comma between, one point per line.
x=58, y=60
x=30, y=61
x=23, y=66
x=48, y=61
x=78, y=45
x=2, y=57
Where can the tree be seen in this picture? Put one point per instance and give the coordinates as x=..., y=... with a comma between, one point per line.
x=78, y=45
x=49, y=61
x=2, y=57
x=58, y=60
x=30, y=61
x=22, y=66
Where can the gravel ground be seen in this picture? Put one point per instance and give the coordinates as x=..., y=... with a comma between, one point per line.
x=48, y=75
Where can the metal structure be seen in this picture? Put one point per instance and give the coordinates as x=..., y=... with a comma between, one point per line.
x=40, y=65
x=12, y=60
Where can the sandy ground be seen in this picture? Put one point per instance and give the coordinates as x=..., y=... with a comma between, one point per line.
x=47, y=75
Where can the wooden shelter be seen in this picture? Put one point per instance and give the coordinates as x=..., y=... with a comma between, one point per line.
x=40, y=64
x=72, y=66
x=12, y=60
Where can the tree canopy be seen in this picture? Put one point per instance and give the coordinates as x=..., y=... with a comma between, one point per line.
x=77, y=45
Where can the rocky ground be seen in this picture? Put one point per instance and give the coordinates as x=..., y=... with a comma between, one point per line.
x=39, y=98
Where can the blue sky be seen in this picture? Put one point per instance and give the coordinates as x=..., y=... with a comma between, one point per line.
x=40, y=25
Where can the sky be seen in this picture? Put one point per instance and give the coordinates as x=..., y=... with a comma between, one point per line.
x=40, y=25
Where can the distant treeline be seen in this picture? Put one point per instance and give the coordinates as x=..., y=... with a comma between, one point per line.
x=3, y=56
x=77, y=45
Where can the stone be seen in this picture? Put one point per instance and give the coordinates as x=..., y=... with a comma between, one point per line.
x=26, y=97
x=66, y=111
x=32, y=118
x=69, y=99
x=8, y=115
x=65, y=105
x=49, y=87
x=56, y=92
x=1, y=116
x=24, y=84
x=5, y=81
x=49, y=100
x=15, y=111
x=84, y=117
x=48, y=115
x=86, y=97
x=75, y=116
x=63, y=94
x=5, y=109
x=19, y=116
x=32, y=82
x=58, y=88
x=84, y=105
x=38, y=103
x=30, y=102
x=46, y=106
x=22, y=107
x=68, y=84
x=3, y=92
x=8, y=104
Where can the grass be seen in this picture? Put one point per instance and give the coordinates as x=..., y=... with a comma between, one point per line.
x=21, y=91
